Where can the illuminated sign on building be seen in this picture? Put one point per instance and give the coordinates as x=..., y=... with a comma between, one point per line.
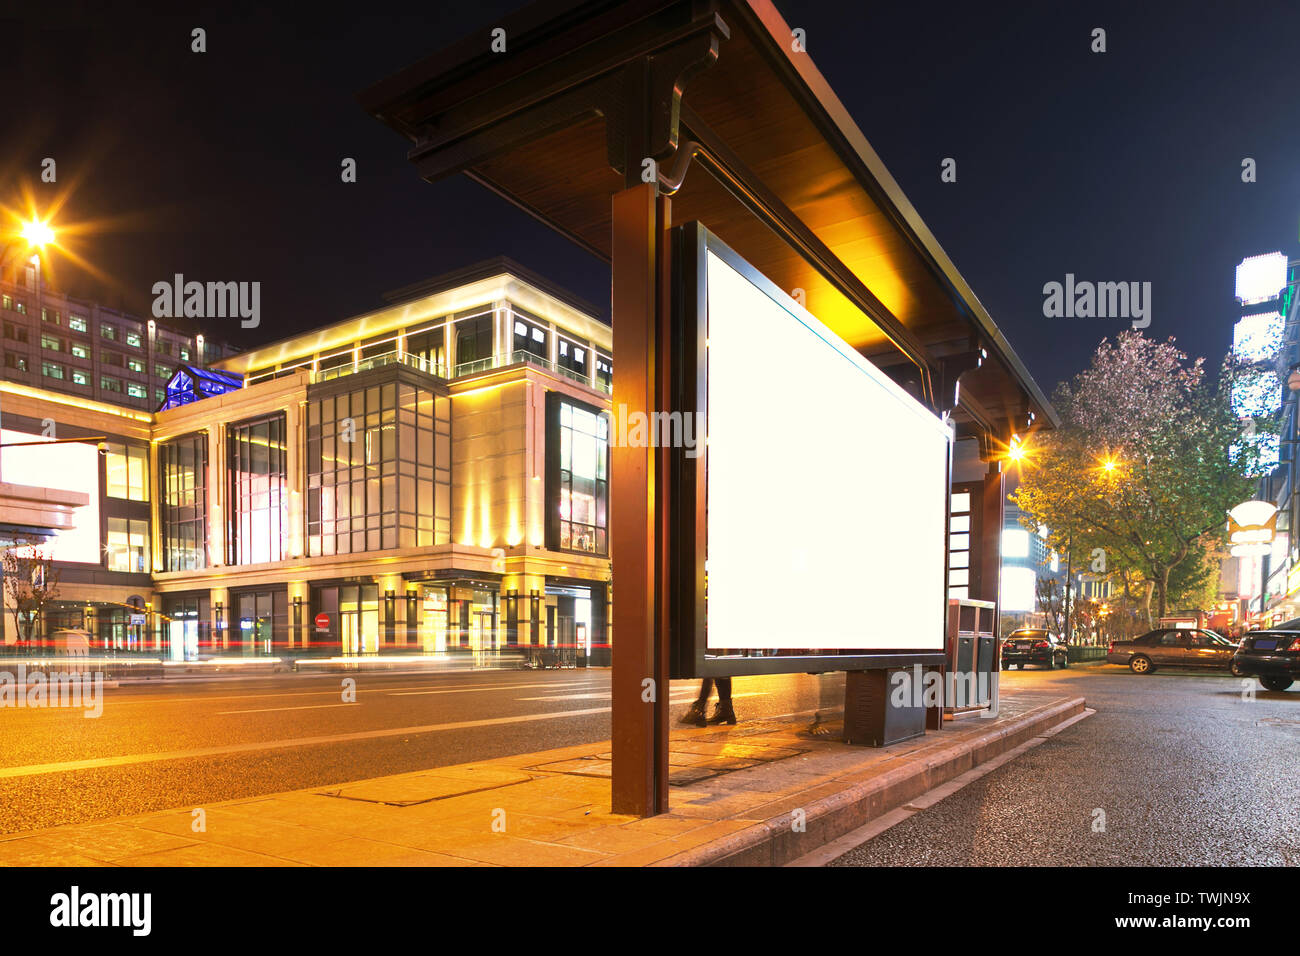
x=1261, y=278
x=1256, y=393
x=1252, y=525
x=1257, y=338
x=65, y=466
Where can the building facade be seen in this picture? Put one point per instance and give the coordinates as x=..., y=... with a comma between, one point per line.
x=428, y=478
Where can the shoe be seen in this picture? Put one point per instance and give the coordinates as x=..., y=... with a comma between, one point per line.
x=723, y=714
x=695, y=715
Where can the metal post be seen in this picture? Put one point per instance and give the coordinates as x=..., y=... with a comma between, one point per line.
x=639, y=270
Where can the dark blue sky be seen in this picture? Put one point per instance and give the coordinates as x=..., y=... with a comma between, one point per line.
x=1122, y=166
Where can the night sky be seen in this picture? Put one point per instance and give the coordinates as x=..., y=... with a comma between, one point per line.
x=1115, y=166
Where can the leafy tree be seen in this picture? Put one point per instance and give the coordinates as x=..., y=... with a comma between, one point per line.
x=1139, y=476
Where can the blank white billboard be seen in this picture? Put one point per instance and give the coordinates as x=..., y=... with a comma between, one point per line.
x=827, y=487
x=71, y=466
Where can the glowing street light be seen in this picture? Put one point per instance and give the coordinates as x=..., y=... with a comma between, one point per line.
x=37, y=233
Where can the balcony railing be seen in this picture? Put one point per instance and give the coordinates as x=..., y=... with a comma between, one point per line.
x=432, y=368
x=379, y=361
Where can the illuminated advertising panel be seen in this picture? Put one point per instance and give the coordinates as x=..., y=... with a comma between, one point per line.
x=70, y=466
x=1257, y=338
x=1261, y=278
x=824, y=499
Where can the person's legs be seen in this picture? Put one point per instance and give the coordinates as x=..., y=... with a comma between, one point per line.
x=706, y=688
x=723, y=713
x=698, y=713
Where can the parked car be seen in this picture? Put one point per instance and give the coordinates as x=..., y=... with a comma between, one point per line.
x=1034, y=646
x=1272, y=656
x=1173, y=647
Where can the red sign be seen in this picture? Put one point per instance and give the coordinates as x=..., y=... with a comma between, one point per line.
x=322, y=622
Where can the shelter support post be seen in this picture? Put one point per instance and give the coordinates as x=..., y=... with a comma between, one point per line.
x=640, y=271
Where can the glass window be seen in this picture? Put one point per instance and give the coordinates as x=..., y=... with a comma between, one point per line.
x=50, y=315
x=378, y=470
x=135, y=365
x=110, y=384
x=128, y=545
x=531, y=338
x=77, y=323
x=108, y=331
x=136, y=390
x=8, y=301
x=605, y=372
x=162, y=371
x=258, y=494
x=15, y=361
x=80, y=351
x=53, y=343
x=184, y=353
x=579, y=485
x=573, y=356
x=182, y=487
x=133, y=338
x=127, y=470
x=80, y=377
x=52, y=370
x=21, y=308
x=474, y=342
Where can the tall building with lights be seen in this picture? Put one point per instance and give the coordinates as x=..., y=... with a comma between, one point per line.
x=1266, y=348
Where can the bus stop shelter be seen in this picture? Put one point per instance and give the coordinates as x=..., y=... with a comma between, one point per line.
x=613, y=120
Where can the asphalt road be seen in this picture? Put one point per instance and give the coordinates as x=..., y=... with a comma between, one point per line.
x=1185, y=771
x=186, y=743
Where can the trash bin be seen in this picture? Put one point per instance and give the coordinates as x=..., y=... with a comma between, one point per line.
x=970, y=684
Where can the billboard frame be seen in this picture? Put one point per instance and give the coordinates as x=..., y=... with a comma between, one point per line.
x=689, y=655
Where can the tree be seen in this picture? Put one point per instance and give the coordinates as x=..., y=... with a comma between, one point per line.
x=31, y=582
x=1050, y=598
x=1142, y=470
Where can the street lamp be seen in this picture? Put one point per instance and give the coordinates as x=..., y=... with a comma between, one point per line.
x=37, y=233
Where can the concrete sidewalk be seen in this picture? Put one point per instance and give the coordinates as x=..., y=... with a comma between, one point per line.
x=761, y=793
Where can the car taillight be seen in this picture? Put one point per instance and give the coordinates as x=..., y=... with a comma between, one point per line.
x=1295, y=645
x=1041, y=644
x=1110, y=648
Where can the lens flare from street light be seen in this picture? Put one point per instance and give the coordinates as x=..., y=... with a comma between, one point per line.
x=37, y=233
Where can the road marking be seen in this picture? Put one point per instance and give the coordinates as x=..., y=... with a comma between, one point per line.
x=331, y=691
x=271, y=710
x=34, y=770
x=472, y=688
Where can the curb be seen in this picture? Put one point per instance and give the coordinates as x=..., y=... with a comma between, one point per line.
x=774, y=843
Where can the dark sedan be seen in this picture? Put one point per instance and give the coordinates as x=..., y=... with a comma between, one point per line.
x=1173, y=647
x=1034, y=646
x=1272, y=656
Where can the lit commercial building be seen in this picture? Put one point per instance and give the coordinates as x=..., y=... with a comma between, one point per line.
x=425, y=478
x=1264, y=581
